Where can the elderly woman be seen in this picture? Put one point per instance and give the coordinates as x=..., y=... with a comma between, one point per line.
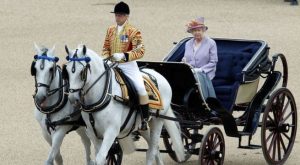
x=201, y=53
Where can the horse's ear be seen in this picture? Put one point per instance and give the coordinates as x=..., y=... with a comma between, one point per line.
x=37, y=49
x=67, y=50
x=84, y=50
x=51, y=52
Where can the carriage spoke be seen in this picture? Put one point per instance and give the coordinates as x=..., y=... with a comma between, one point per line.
x=282, y=143
x=205, y=161
x=274, y=147
x=210, y=142
x=277, y=102
x=215, y=140
x=271, y=144
x=286, y=135
x=269, y=137
x=285, y=108
x=292, y=112
x=219, y=161
x=205, y=156
x=270, y=118
x=275, y=115
x=217, y=145
x=282, y=98
x=278, y=147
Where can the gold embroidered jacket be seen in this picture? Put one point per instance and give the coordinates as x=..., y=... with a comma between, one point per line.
x=128, y=41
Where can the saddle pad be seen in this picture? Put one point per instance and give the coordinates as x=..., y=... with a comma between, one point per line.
x=155, y=101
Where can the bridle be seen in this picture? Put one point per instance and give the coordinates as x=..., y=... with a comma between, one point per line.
x=105, y=98
x=62, y=99
x=83, y=73
x=44, y=57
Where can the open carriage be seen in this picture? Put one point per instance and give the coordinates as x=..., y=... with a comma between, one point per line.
x=241, y=66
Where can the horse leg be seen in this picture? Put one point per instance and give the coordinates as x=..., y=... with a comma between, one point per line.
x=57, y=139
x=146, y=136
x=153, y=151
x=109, y=137
x=87, y=145
x=58, y=158
x=175, y=135
x=47, y=137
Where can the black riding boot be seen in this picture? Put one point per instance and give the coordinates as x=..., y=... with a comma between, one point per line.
x=145, y=116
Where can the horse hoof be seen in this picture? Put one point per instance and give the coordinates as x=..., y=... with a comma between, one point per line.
x=91, y=163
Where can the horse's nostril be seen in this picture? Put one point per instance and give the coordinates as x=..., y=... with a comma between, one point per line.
x=39, y=100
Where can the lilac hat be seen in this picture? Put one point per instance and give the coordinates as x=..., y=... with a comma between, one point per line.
x=197, y=23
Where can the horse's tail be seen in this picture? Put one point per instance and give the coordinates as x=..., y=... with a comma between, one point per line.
x=175, y=134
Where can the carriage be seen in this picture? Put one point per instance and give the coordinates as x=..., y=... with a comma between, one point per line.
x=243, y=103
x=251, y=93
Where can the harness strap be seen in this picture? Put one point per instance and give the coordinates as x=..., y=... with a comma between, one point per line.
x=64, y=121
x=127, y=119
x=49, y=124
x=132, y=128
x=92, y=121
x=105, y=98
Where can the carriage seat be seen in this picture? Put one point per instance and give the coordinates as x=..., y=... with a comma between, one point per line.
x=229, y=73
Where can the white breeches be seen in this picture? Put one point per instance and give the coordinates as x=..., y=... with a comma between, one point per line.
x=131, y=70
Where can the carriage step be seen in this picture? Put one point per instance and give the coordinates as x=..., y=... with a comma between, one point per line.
x=249, y=146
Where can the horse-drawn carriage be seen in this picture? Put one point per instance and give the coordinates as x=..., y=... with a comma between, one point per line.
x=241, y=65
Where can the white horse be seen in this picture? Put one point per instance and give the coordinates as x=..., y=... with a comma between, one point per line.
x=49, y=99
x=83, y=70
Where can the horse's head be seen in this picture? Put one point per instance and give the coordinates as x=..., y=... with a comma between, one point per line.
x=43, y=68
x=77, y=71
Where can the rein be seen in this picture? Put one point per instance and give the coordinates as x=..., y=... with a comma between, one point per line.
x=108, y=69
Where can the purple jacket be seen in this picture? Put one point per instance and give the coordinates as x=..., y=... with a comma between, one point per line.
x=205, y=58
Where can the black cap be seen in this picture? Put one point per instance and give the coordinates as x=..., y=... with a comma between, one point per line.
x=121, y=8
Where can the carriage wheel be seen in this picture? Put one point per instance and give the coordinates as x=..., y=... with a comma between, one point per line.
x=187, y=142
x=279, y=126
x=115, y=154
x=212, y=149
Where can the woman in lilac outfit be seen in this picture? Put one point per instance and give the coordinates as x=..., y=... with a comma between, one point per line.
x=201, y=53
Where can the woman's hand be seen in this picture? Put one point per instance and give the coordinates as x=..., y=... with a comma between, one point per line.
x=198, y=70
x=183, y=60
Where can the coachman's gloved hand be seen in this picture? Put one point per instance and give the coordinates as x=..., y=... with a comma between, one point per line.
x=118, y=56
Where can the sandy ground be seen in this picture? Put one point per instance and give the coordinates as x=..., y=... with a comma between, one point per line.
x=74, y=21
